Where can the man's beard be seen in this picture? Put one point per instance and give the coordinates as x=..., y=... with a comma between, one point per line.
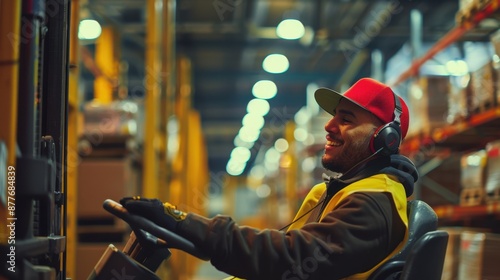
x=350, y=155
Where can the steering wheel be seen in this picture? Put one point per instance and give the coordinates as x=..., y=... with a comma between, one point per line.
x=137, y=223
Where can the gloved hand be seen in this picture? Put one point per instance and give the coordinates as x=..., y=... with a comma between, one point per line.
x=163, y=214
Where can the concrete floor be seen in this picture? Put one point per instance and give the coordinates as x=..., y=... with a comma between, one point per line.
x=207, y=272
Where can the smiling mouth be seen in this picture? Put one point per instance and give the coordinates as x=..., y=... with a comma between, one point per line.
x=333, y=143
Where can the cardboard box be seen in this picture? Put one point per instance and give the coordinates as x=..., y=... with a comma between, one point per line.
x=464, y=4
x=452, y=257
x=473, y=178
x=496, y=79
x=100, y=179
x=465, y=10
x=479, y=254
x=469, y=8
x=457, y=99
x=428, y=104
x=495, y=41
x=493, y=171
x=495, y=62
x=473, y=170
x=482, y=90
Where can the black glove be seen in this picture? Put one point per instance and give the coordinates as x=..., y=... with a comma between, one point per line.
x=162, y=214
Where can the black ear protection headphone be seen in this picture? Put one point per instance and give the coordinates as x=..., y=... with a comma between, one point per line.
x=387, y=138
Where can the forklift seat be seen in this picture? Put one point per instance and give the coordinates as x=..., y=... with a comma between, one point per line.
x=425, y=246
x=426, y=258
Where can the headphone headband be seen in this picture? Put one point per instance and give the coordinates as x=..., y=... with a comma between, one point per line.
x=387, y=138
x=398, y=110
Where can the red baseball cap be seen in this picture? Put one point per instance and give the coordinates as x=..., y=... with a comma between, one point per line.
x=369, y=94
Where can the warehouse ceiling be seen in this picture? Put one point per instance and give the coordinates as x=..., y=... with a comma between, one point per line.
x=227, y=40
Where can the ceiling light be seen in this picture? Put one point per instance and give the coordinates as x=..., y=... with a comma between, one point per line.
x=474, y=160
x=302, y=116
x=258, y=106
x=308, y=165
x=241, y=154
x=238, y=142
x=253, y=120
x=249, y=134
x=300, y=134
x=271, y=167
x=258, y=172
x=290, y=29
x=275, y=63
x=235, y=168
x=416, y=92
x=281, y=145
x=89, y=29
x=457, y=67
x=264, y=89
x=272, y=155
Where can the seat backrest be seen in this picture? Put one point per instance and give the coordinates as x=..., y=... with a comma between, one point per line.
x=426, y=257
x=421, y=219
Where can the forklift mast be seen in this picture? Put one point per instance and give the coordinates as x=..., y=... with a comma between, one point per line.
x=33, y=137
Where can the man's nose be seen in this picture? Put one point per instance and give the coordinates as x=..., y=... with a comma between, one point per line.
x=332, y=125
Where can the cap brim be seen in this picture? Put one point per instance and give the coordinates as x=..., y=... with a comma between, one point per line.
x=327, y=99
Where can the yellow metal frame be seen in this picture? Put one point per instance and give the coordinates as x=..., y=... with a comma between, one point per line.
x=105, y=58
x=73, y=157
x=168, y=96
x=150, y=174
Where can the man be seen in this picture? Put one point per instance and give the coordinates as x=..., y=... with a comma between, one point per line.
x=347, y=226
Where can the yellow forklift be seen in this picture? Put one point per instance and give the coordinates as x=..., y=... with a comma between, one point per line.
x=38, y=150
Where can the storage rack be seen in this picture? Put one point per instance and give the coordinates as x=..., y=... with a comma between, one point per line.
x=475, y=131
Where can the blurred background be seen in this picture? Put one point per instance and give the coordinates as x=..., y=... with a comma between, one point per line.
x=208, y=104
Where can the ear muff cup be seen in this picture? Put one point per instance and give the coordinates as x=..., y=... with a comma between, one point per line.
x=387, y=139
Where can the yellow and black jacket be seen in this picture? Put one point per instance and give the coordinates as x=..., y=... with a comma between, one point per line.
x=356, y=228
